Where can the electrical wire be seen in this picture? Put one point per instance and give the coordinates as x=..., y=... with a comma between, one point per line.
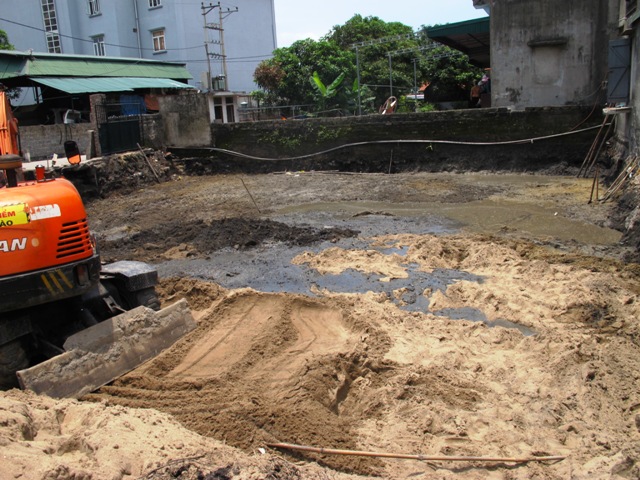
x=380, y=142
x=42, y=30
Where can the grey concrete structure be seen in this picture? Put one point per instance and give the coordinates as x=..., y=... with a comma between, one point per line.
x=563, y=52
x=167, y=30
x=626, y=100
x=636, y=97
x=633, y=120
x=549, y=52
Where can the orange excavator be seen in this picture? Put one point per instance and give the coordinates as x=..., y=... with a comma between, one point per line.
x=68, y=324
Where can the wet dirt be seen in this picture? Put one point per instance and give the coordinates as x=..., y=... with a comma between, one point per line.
x=376, y=312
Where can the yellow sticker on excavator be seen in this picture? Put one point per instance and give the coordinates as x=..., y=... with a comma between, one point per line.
x=11, y=215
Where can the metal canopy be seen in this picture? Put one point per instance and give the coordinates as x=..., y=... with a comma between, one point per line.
x=36, y=64
x=471, y=37
x=75, y=85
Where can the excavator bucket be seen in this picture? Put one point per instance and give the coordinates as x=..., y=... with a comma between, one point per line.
x=100, y=354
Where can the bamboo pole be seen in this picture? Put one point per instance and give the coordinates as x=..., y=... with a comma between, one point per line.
x=331, y=451
x=603, y=140
x=628, y=172
x=594, y=145
x=146, y=159
x=595, y=183
x=250, y=196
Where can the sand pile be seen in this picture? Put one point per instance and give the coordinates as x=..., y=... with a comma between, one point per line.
x=366, y=371
x=355, y=371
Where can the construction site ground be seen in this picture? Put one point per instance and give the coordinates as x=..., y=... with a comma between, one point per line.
x=435, y=314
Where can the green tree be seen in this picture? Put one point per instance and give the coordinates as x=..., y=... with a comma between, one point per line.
x=448, y=72
x=361, y=29
x=12, y=93
x=374, y=40
x=4, y=41
x=286, y=75
x=389, y=55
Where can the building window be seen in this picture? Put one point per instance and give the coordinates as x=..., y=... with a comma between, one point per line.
x=155, y=3
x=158, y=40
x=94, y=7
x=51, y=26
x=98, y=45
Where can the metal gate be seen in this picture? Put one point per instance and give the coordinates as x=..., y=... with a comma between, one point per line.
x=119, y=126
x=618, y=86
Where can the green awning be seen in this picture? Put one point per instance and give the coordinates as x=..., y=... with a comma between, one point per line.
x=471, y=37
x=74, y=85
x=14, y=64
x=103, y=68
x=468, y=27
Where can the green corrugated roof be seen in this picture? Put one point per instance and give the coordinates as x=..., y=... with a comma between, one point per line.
x=23, y=64
x=106, y=84
x=11, y=67
x=472, y=37
x=468, y=27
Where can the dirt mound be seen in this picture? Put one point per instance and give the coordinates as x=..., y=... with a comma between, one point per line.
x=258, y=349
x=199, y=238
x=357, y=372
x=69, y=440
x=626, y=218
x=120, y=174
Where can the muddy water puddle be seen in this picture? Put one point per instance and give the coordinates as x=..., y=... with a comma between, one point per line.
x=269, y=268
x=484, y=216
x=490, y=216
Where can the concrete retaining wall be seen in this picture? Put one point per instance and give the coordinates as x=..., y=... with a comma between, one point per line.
x=452, y=140
x=470, y=139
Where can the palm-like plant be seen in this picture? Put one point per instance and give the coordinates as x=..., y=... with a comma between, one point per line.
x=326, y=92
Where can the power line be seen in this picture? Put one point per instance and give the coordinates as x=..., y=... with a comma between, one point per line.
x=230, y=59
x=42, y=30
x=247, y=59
x=375, y=41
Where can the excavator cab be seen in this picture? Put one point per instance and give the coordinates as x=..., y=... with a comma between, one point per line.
x=57, y=300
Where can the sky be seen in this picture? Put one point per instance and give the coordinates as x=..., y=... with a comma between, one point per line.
x=300, y=19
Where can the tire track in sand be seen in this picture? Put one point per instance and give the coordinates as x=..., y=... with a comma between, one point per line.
x=255, y=322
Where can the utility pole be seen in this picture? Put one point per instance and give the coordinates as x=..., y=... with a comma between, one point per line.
x=390, y=77
x=216, y=26
x=415, y=85
x=359, y=92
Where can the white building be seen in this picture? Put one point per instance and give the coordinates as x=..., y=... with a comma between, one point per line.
x=165, y=30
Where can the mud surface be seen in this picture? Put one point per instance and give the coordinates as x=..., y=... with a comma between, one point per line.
x=435, y=314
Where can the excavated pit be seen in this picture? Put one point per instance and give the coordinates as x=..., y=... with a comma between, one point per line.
x=437, y=314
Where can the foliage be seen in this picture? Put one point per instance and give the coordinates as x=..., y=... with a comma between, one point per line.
x=425, y=107
x=286, y=76
x=12, y=93
x=326, y=92
x=4, y=41
x=281, y=139
x=360, y=29
x=269, y=75
x=391, y=60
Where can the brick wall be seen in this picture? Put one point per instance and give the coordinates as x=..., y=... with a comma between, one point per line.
x=42, y=141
